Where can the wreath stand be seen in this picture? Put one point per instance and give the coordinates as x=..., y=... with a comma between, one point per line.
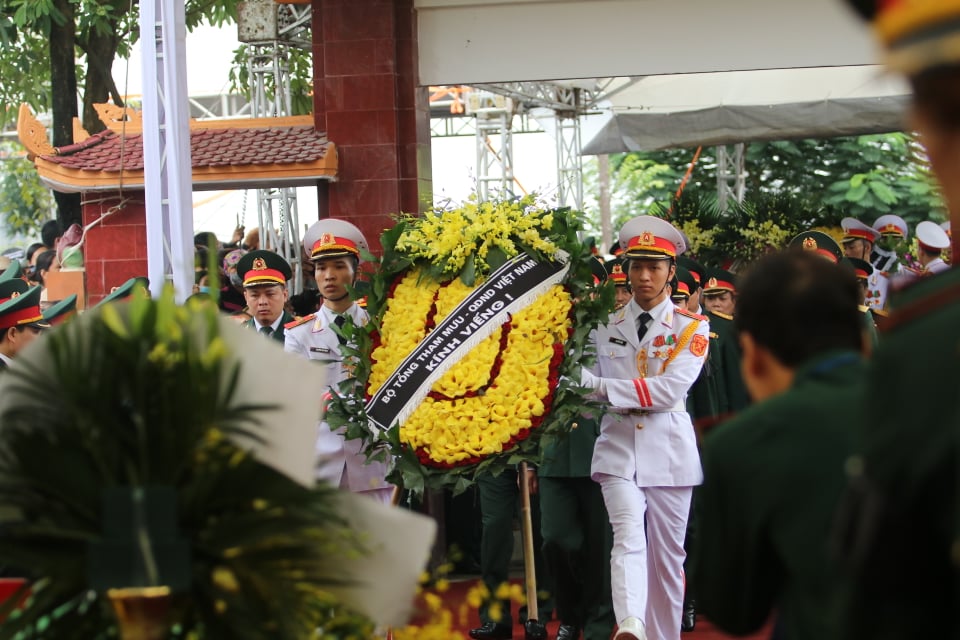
x=533, y=629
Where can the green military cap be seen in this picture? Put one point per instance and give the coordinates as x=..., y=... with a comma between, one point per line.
x=61, y=311
x=861, y=268
x=682, y=285
x=9, y=287
x=697, y=271
x=686, y=283
x=819, y=242
x=261, y=267
x=598, y=270
x=718, y=281
x=615, y=272
x=13, y=272
x=126, y=290
x=675, y=294
x=616, y=249
x=23, y=310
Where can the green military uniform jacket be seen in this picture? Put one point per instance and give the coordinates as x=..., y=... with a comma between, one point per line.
x=277, y=335
x=773, y=477
x=906, y=511
x=732, y=394
x=570, y=457
x=869, y=326
x=704, y=398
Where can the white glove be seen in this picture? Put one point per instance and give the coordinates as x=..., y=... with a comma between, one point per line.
x=590, y=381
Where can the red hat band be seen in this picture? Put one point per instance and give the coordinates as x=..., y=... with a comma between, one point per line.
x=928, y=248
x=722, y=285
x=260, y=273
x=330, y=242
x=649, y=242
x=891, y=229
x=683, y=288
x=23, y=316
x=857, y=234
x=860, y=273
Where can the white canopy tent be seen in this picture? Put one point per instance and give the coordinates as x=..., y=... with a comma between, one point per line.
x=687, y=110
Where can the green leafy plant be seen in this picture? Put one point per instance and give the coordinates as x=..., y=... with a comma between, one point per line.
x=137, y=397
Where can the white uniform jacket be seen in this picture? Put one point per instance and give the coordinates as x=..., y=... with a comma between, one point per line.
x=646, y=433
x=315, y=338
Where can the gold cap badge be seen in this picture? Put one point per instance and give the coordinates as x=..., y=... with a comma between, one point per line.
x=809, y=244
x=712, y=283
x=646, y=239
x=259, y=264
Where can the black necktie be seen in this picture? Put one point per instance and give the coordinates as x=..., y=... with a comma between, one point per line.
x=266, y=330
x=339, y=321
x=642, y=320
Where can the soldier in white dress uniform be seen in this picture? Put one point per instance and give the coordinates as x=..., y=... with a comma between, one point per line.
x=932, y=240
x=334, y=247
x=885, y=261
x=646, y=458
x=858, y=241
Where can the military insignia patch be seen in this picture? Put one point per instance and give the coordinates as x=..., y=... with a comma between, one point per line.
x=646, y=239
x=659, y=341
x=259, y=264
x=698, y=346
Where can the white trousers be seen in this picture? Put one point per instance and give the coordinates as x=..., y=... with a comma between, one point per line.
x=646, y=564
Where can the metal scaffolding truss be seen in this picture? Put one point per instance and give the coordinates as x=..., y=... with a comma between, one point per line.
x=569, y=162
x=271, y=31
x=557, y=96
x=462, y=125
x=568, y=101
x=493, y=115
x=731, y=175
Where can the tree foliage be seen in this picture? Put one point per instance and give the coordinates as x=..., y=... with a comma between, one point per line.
x=53, y=50
x=25, y=204
x=861, y=176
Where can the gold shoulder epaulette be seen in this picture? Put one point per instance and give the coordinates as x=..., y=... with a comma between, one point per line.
x=690, y=314
x=722, y=315
x=296, y=322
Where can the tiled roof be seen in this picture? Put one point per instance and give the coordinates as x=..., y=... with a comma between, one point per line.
x=247, y=153
x=107, y=151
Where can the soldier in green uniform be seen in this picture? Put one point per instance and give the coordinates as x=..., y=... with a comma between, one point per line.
x=265, y=276
x=61, y=312
x=21, y=322
x=903, y=543
x=137, y=284
x=577, y=536
x=774, y=474
x=719, y=299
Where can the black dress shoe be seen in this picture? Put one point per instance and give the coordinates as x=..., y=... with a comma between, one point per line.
x=492, y=631
x=568, y=632
x=689, y=618
x=534, y=630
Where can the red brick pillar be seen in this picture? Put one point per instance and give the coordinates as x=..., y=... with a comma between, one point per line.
x=115, y=250
x=367, y=100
